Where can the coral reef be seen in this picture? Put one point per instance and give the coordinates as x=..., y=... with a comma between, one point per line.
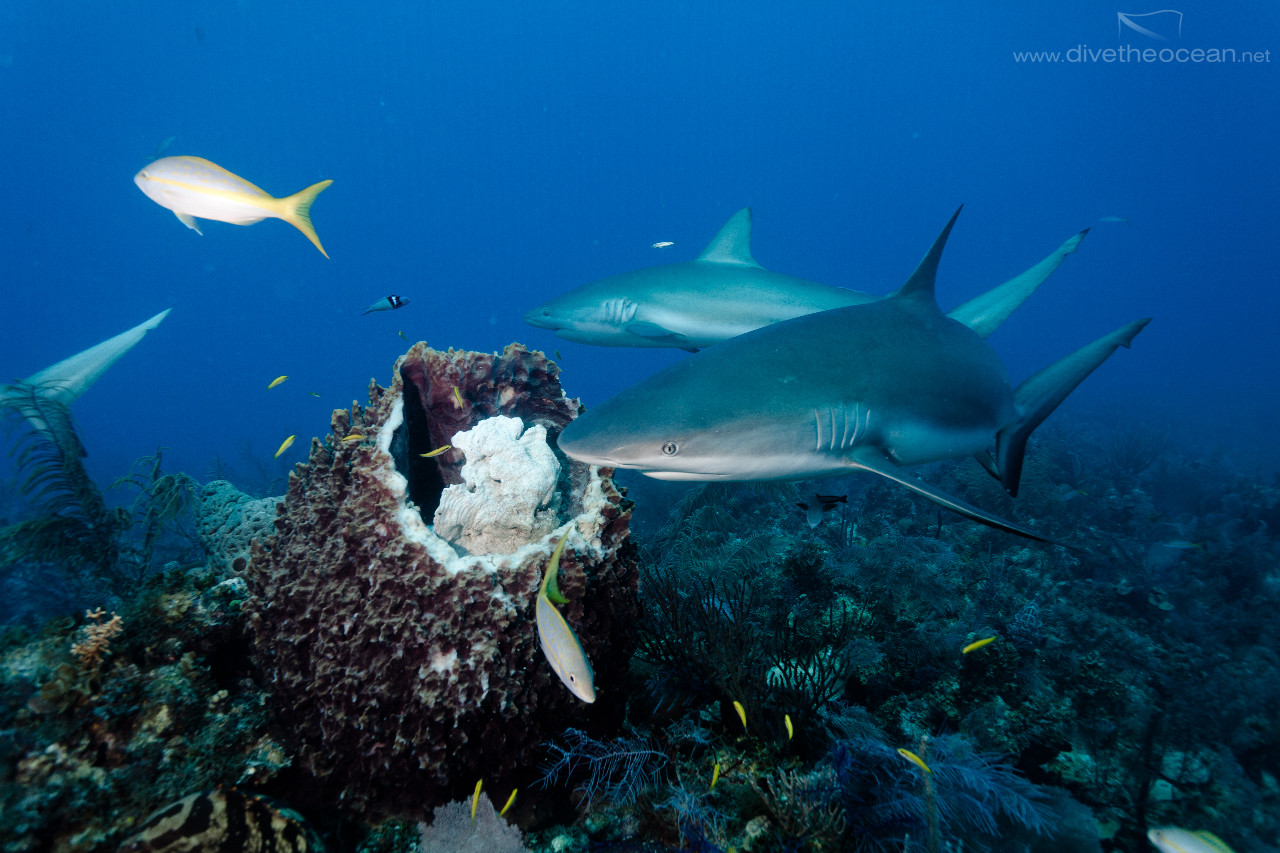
x=108, y=719
x=403, y=668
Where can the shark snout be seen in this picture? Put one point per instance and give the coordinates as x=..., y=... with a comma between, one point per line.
x=542, y=317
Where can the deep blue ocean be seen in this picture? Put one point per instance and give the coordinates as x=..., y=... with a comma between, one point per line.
x=488, y=156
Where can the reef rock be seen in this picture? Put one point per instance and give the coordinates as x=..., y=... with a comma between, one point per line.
x=510, y=480
x=406, y=670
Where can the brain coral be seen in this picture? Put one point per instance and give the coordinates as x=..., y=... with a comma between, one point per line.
x=408, y=668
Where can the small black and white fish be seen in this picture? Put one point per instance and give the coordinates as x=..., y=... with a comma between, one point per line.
x=390, y=303
x=224, y=819
x=819, y=506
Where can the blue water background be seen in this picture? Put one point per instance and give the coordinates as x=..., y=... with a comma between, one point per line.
x=487, y=156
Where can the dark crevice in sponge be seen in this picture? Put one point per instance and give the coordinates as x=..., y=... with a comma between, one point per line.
x=411, y=439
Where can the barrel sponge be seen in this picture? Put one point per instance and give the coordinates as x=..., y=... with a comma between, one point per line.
x=408, y=668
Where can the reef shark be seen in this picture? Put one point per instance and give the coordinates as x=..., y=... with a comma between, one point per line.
x=68, y=379
x=873, y=387
x=724, y=293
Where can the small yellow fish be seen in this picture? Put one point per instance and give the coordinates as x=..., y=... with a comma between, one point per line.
x=435, y=452
x=558, y=356
x=457, y=395
x=914, y=759
x=511, y=799
x=285, y=445
x=193, y=188
x=559, y=644
x=1171, y=839
x=401, y=334
x=475, y=799
x=977, y=644
x=355, y=436
x=715, y=776
x=276, y=381
x=742, y=713
x=791, y=732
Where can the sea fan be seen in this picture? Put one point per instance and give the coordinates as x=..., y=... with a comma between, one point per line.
x=453, y=830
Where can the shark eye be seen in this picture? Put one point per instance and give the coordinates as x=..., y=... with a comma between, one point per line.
x=670, y=448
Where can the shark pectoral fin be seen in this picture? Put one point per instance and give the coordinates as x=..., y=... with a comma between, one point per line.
x=988, y=463
x=876, y=462
x=985, y=313
x=190, y=221
x=660, y=334
x=1040, y=394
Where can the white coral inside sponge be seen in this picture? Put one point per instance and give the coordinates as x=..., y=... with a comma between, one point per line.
x=507, y=499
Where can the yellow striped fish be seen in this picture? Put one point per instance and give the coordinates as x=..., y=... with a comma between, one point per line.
x=193, y=188
x=1172, y=839
x=559, y=643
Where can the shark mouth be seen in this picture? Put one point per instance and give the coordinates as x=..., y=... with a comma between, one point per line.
x=683, y=475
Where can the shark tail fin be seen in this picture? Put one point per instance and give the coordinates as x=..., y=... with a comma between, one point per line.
x=985, y=313
x=296, y=210
x=921, y=284
x=732, y=245
x=69, y=378
x=1040, y=394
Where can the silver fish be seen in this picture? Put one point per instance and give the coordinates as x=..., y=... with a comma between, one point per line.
x=559, y=643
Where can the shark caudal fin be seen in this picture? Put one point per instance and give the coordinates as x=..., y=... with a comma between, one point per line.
x=296, y=210
x=733, y=244
x=985, y=313
x=1039, y=395
x=920, y=287
x=68, y=379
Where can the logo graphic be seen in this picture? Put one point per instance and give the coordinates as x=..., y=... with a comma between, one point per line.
x=1155, y=25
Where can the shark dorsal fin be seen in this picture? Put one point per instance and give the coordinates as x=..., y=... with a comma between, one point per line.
x=733, y=244
x=920, y=285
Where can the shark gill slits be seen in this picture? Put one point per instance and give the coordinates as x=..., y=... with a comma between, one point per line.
x=670, y=448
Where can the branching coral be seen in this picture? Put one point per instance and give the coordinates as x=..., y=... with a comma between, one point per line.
x=96, y=639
